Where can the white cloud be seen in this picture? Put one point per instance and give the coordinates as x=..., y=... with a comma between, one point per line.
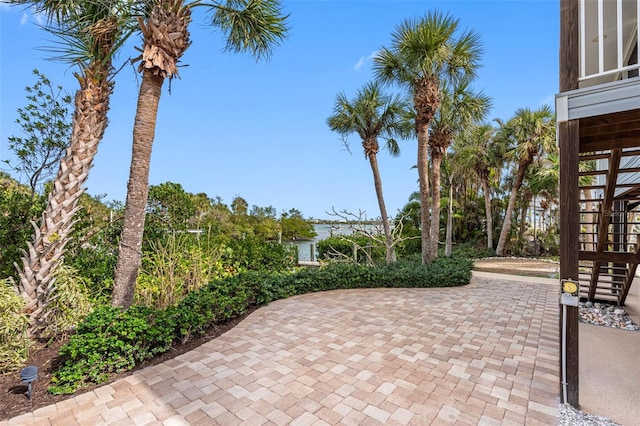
x=24, y=19
x=363, y=59
x=359, y=64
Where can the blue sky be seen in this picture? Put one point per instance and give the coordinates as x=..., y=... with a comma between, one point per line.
x=231, y=126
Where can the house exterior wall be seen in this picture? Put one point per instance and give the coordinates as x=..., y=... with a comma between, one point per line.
x=607, y=55
x=623, y=95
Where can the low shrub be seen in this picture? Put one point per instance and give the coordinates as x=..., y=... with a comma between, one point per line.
x=111, y=340
x=14, y=341
x=69, y=302
x=471, y=251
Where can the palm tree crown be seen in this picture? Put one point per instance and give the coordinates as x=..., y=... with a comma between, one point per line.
x=530, y=133
x=371, y=114
x=426, y=51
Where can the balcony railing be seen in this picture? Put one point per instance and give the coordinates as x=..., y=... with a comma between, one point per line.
x=608, y=40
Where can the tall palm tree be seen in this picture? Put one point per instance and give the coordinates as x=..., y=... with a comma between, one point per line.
x=460, y=108
x=480, y=152
x=90, y=32
x=424, y=52
x=530, y=133
x=372, y=115
x=253, y=26
x=453, y=170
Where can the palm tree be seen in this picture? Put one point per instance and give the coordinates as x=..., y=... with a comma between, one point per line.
x=546, y=182
x=531, y=133
x=254, y=26
x=424, y=52
x=459, y=109
x=480, y=152
x=90, y=32
x=372, y=114
x=452, y=169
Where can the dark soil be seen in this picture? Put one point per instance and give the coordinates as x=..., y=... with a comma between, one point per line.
x=13, y=393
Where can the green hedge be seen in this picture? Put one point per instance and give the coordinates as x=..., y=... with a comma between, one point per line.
x=111, y=340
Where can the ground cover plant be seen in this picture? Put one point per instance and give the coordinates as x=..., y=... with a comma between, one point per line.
x=111, y=340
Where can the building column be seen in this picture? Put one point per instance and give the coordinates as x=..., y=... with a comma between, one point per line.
x=569, y=144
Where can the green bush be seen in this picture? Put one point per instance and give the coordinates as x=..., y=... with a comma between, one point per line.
x=17, y=210
x=255, y=254
x=14, y=341
x=471, y=251
x=176, y=266
x=110, y=340
x=69, y=302
x=97, y=264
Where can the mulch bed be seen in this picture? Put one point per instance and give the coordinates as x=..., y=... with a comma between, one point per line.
x=13, y=394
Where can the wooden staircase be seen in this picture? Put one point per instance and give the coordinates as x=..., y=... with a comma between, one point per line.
x=609, y=252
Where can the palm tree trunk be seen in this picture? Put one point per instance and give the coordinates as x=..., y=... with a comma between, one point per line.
x=436, y=163
x=423, y=178
x=130, y=253
x=506, y=225
x=391, y=253
x=487, y=208
x=448, y=248
x=523, y=226
x=48, y=246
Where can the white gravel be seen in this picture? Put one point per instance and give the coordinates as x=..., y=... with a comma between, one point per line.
x=569, y=416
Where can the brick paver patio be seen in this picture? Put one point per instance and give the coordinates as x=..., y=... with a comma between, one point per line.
x=483, y=354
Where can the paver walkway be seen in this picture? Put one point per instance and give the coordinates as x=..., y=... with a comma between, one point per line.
x=484, y=354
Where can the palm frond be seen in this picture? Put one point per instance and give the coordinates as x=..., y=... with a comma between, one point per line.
x=253, y=26
x=372, y=115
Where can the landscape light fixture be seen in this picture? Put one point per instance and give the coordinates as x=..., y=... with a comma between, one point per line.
x=28, y=375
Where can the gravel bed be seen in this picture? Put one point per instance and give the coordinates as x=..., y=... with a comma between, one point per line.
x=569, y=416
x=606, y=315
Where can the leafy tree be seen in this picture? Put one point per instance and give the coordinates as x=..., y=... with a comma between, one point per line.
x=295, y=227
x=90, y=32
x=169, y=208
x=239, y=206
x=424, y=53
x=530, y=134
x=263, y=212
x=254, y=26
x=373, y=115
x=94, y=249
x=46, y=124
x=18, y=208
